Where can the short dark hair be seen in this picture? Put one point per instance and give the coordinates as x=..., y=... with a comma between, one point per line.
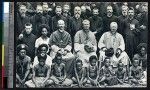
x=120, y=63
x=92, y=58
x=43, y=26
x=28, y=24
x=131, y=8
x=106, y=59
x=78, y=61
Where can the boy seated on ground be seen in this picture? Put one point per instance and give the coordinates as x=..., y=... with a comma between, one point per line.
x=79, y=77
x=121, y=73
x=59, y=72
x=107, y=75
x=93, y=72
x=41, y=74
x=136, y=74
x=23, y=63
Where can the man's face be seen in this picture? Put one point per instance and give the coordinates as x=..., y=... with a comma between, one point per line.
x=39, y=9
x=22, y=10
x=145, y=7
x=45, y=8
x=43, y=50
x=44, y=32
x=77, y=10
x=95, y=12
x=22, y=53
x=61, y=25
x=58, y=11
x=113, y=27
x=120, y=66
x=109, y=10
x=131, y=13
x=28, y=29
x=66, y=8
x=86, y=25
x=124, y=10
x=83, y=9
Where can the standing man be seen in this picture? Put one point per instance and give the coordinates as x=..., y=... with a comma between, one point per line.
x=109, y=18
x=37, y=20
x=96, y=25
x=57, y=17
x=85, y=44
x=114, y=41
x=131, y=33
x=60, y=42
x=22, y=19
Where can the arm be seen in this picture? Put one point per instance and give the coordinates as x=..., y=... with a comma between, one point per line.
x=48, y=75
x=64, y=71
x=18, y=78
x=122, y=44
x=33, y=79
x=101, y=42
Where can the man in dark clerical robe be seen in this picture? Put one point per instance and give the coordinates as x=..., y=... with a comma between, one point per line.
x=57, y=17
x=47, y=16
x=85, y=44
x=66, y=14
x=60, y=42
x=109, y=18
x=122, y=19
x=22, y=19
x=131, y=33
x=76, y=20
x=28, y=38
x=143, y=19
x=37, y=20
x=96, y=24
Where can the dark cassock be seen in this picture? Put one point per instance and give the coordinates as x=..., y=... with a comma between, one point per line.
x=55, y=21
x=143, y=19
x=76, y=25
x=48, y=22
x=68, y=21
x=107, y=21
x=96, y=25
x=21, y=21
x=122, y=25
x=131, y=36
x=29, y=40
x=36, y=21
x=62, y=41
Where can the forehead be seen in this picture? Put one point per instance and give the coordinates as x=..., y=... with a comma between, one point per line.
x=61, y=22
x=66, y=6
x=95, y=10
x=131, y=10
x=109, y=7
x=28, y=26
x=77, y=8
x=44, y=47
x=58, y=8
x=45, y=5
x=124, y=7
x=39, y=7
x=113, y=24
x=22, y=6
x=86, y=22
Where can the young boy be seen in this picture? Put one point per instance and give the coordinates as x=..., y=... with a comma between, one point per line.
x=23, y=63
x=93, y=71
x=121, y=73
x=41, y=74
x=59, y=72
x=79, y=76
x=107, y=75
x=136, y=73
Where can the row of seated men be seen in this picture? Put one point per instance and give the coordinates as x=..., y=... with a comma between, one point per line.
x=45, y=71
x=132, y=23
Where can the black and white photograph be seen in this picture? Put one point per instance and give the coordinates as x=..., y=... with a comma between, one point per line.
x=81, y=44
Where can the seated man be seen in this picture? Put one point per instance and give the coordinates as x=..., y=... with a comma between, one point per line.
x=23, y=63
x=41, y=74
x=60, y=41
x=114, y=41
x=85, y=44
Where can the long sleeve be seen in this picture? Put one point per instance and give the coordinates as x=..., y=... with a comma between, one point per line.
x=122, y=44
x=101, y=42
x=77, y=46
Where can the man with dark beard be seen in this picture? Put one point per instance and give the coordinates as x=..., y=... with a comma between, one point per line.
x=131, y=33
x=22, y=18
x=66, y=14
x=122, y=19
x=96, y=24
x=58, y=16
x=47, y=16
x=37, y=20
x=109, y=18
x=143, y=19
